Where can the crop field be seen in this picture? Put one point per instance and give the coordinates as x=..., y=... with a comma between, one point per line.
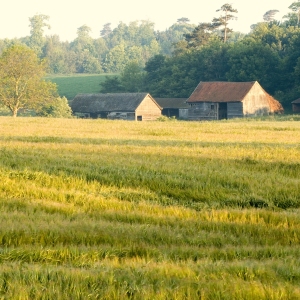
x=99, y=209
x=70, y=86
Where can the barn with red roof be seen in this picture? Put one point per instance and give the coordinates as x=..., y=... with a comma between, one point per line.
x=227, y=100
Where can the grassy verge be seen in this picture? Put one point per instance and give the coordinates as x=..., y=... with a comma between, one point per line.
x=161, y=210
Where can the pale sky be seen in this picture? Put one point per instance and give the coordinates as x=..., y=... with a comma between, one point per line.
x=66, y=15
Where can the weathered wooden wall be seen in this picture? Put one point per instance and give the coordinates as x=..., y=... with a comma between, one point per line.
x=256, y=102
x=203, y=111
x=234, y=110
x=296, y=108
x=183, y=113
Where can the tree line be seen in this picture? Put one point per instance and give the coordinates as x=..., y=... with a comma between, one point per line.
x=171, y=63
x=109, y=53
x=269, y=54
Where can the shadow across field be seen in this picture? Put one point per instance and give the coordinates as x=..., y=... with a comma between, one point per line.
x=142, y=142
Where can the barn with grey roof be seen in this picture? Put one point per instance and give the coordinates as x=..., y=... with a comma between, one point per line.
x=126, y=106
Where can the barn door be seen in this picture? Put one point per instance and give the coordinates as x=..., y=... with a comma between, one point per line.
x=222, y=111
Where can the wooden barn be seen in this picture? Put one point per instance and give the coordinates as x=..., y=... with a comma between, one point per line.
x=174, y=107
x=296, y=106
x=126, y=106
x=227, y=100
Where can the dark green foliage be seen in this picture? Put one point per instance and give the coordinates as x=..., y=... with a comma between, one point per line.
x=132, y=77
x=254, y=61
x=178, y=76
x=111, y=84
x=200, y=36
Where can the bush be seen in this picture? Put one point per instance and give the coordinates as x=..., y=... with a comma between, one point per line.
x=59, y=108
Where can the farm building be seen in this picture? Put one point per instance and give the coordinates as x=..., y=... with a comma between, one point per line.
x=296, y=106
x=227, y=100
x=126, y=106
x=174, y=107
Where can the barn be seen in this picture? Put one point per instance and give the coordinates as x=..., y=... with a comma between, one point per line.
x=174, y=107
x=296, y=106
x=126, y=106
x=227, y=100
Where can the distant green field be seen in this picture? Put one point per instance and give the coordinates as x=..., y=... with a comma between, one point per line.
x=71, y=85
x=101, y=209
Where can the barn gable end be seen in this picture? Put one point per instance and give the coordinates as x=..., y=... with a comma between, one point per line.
x=148, y=110
x=256, y=103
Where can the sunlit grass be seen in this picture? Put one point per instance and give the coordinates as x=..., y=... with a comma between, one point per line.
x=159, y=210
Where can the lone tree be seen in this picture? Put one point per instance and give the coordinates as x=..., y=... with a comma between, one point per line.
x=226, y=16
x=269, y=16
x=21, y=80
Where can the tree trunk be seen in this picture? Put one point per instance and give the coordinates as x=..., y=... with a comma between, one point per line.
x=14, y=112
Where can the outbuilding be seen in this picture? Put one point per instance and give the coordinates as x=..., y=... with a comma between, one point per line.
x=126, y=106
x=227, y=100
x=296, y=106
x=174, y=107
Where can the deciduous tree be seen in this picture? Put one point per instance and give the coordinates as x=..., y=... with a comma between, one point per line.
x=21, y=80
x=37, y=25
x=132, y=77
x=111, y=84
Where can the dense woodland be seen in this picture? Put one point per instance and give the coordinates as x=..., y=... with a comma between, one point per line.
x=171, y=63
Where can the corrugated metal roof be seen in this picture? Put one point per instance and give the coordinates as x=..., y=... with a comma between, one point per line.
x=94, y=103
x=221, y=91
x=172, y=102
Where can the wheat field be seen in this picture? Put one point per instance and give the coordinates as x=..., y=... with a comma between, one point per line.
x=98, y=209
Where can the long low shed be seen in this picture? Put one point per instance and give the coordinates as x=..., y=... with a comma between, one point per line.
x=126, y=106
